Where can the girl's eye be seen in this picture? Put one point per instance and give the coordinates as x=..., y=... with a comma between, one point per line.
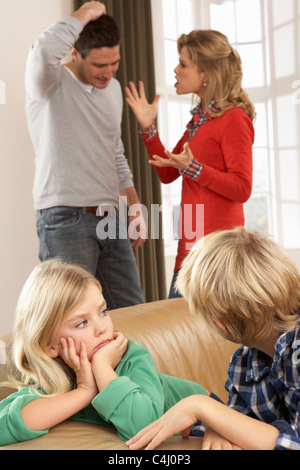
x=81, y=324
x=103, y=313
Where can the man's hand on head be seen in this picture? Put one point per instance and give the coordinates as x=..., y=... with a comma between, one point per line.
x=89, y=11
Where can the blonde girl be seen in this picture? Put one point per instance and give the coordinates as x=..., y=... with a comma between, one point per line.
x=69, y=356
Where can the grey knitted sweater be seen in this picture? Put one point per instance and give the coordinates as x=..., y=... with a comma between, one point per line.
x=75, y=129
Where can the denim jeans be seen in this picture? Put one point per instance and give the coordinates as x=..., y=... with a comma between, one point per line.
x=173, y=293
x=71, y=234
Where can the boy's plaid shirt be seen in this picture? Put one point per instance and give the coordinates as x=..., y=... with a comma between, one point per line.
x=269, y=393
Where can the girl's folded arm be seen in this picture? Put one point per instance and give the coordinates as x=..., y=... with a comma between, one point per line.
x=49, y=411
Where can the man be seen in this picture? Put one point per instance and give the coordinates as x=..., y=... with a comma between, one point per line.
x=74, y=114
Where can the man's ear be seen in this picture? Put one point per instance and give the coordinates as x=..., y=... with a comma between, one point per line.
x=75, y=54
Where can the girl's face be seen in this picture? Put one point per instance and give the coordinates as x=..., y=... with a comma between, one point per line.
x=88, y=322
x=189, y=78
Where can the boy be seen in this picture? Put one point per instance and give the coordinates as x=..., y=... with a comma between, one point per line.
x=245, y=286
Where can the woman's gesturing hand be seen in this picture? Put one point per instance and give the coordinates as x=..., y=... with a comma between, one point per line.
x=145, y=112
x=180, y=161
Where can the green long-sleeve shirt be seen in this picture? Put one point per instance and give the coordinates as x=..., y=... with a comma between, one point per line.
x=138, y=396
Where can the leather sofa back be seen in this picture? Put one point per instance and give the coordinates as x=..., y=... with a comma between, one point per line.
x=181, y=344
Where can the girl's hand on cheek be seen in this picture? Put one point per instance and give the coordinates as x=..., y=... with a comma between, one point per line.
x=112, y=353
x=80, y=364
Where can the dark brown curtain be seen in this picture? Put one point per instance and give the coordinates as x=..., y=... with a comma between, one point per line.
x=137, y=63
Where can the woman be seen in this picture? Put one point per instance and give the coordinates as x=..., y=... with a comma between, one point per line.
x=214, y=156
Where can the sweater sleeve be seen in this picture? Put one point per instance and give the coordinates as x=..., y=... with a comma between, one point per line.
x=134, y=399
x=12, y=427
x=43, y=67
x=155, y=147
x=124, y=173
x=236, y=137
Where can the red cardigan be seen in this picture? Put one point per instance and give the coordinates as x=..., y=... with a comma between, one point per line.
x=223, y=146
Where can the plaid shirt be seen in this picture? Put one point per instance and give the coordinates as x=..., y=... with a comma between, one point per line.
x=200, y=116
x=268, y=393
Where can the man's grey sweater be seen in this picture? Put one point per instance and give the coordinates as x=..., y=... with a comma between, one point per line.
x=75, y=130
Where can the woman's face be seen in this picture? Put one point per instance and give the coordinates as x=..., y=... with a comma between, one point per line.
x=189, y=78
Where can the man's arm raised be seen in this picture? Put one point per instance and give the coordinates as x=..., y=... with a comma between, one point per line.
x=89, y=11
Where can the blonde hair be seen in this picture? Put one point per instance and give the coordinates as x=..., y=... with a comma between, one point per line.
x=52, y=290
x=244, y=280
x=211, y=52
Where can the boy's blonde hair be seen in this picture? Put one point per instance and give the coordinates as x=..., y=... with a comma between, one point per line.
x=244, y=280
x=52, y=290
x=211, y=52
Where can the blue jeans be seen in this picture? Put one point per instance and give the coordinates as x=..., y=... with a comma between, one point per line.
x=71, y=234
x=174, y=294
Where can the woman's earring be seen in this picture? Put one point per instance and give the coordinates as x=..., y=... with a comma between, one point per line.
x=205, y=83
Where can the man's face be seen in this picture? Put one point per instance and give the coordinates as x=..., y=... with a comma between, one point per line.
x=99, y=67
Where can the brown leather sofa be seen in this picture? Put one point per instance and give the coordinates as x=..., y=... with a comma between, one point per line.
x=181, y=345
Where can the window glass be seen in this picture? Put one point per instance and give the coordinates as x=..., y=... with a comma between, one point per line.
x=222, y=18
x=289, y=174
x=171, y=61
x=284, y=40
x=260, y=171
x=283, y=11
x=260, y=125
x=287, y=122
x=170, y=19
x=253, y=65
x=185, y=16
x=248, y=21
x=290, y=225
x=257, y=213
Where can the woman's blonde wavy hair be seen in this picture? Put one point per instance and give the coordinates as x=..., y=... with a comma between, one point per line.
x=244, y=280
x=52, y=290
x=211, y=52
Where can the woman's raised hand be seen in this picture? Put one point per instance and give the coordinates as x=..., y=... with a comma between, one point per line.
x=145, y=112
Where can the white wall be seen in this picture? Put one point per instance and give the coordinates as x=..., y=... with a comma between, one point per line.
x=20, y=23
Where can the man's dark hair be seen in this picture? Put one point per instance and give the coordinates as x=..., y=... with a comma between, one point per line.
x=103, y=32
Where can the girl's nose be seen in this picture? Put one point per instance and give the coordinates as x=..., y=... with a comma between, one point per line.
x=99, y=329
